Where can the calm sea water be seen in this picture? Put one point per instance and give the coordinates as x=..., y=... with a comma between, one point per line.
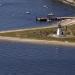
x=13, y=12
x=33, y=59
x=30, y=59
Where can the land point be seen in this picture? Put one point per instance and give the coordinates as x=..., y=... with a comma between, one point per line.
x=64, y=34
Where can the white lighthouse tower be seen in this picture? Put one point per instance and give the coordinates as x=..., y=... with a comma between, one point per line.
x=60, y=31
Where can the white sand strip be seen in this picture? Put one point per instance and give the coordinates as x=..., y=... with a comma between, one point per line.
x=35, y=41
x=27, y=29
x=68, y=22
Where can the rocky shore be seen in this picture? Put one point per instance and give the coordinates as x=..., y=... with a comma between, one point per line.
x=69, y=2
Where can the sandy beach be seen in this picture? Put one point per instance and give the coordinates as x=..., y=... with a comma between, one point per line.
x=35, y=41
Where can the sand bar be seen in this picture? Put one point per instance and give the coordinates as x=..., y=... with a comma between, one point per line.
x=35, y=41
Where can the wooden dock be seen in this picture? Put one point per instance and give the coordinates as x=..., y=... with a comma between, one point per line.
x=54, y=18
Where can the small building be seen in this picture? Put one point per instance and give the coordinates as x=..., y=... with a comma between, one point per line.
x=60, y=31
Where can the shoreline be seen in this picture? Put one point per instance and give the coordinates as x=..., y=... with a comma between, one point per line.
x=63, y=23
x=36, y=41
x=67, y=2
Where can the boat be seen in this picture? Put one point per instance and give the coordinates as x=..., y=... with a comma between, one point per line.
x=27, y=12
x=45, y=6
x=41, y=19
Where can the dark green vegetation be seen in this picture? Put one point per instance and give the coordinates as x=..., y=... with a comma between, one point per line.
x=43, y=34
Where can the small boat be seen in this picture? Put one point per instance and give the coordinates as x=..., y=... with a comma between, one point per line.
x=27, y=12
x=45, y=6
x=41, y=19
x=51, y=14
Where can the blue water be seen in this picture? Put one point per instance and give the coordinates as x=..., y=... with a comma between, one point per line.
x=33, y=59
x=13, y=12
x=30, y=59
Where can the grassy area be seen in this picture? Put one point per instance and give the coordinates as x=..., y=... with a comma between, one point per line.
x=72, y=28
x=38, y=33
x=42, y=34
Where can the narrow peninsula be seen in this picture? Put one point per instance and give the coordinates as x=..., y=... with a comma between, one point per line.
x=44, y=35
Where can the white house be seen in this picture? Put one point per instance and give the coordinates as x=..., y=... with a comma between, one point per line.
x=60, y=31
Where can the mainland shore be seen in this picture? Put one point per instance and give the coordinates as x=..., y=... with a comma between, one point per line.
x=69, y=2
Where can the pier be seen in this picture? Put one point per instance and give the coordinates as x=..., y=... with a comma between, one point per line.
x=53, y=18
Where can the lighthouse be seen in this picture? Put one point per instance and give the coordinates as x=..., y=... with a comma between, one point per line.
x=60, y=31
